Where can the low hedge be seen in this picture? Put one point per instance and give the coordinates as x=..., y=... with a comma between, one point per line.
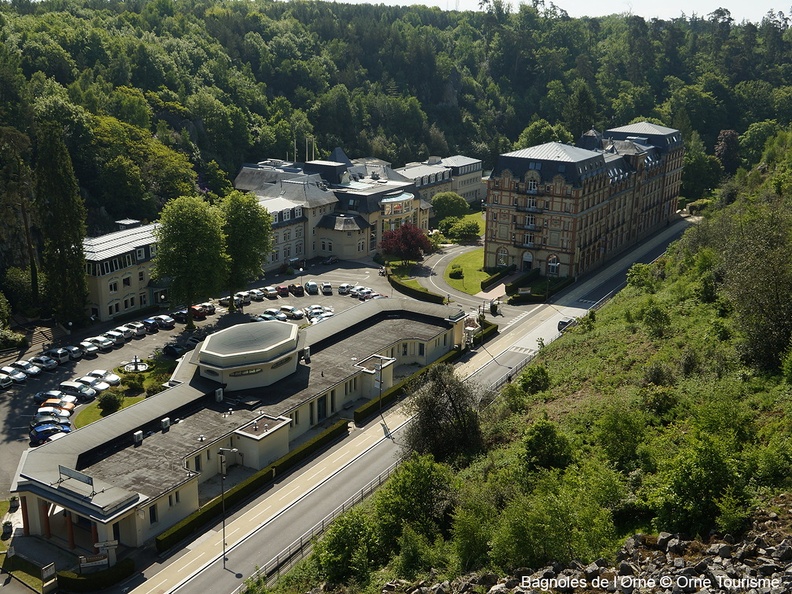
x=420, y=294
x=246, y=489
x=99, y=580
x=541, y=297
x=494, y=279
x=521, y=281
x=372, y=407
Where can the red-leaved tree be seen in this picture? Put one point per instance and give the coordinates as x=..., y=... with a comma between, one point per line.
x=408, y=242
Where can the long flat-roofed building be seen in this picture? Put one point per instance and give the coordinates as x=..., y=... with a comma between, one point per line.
x=131, y=475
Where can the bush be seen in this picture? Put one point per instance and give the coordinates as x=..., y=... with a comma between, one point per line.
x=546, y=447
x=456, y=272
x=535, y=379
x=344, y=551
x=100, y=580
x=12, y=340
x=110, y=401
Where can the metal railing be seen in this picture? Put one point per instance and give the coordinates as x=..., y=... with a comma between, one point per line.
x=269, y=573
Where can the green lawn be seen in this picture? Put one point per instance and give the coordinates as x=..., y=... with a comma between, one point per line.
x=471, y=264
x=92, y=412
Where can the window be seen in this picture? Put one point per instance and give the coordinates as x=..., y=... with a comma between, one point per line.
x=178, y=499
x=143, y=300
x=106, y=267
x=421, y=349
x=297, y=417
x=287, y=251
x=297, y=212
x=298, y=249
x=531, y=185
x=298, y=232
x=128, y=260
x=311, y=412
x=113, y=287
x=153, y=514
x=170, y=500
x=141, y=276
x=552, y=266
x=332, y=401
x=286, y=215
x=127, y=281
x=198, y=463
x=140, y=254
x=287, y=235
x=404, y=349
x=153, y=250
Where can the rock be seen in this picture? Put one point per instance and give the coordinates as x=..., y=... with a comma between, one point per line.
x=720, y=549
x=389, y=587
x=729, y=539
x=767, y=569
x=511, y=583
x=783, y=551
x=441, y=588
x=626, y=568
x=498, y=589
x=676, y=546
x=663, y=539
x=591, y=571
x=486, y=580
x=521, y=572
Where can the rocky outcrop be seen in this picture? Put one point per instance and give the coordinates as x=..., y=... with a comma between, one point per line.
x=761, y=563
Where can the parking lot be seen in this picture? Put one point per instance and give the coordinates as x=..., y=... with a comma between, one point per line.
x=17, y=405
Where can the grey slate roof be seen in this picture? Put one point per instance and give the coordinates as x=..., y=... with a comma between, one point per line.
x=551, y=159
x=342, y=222
x=301, y=192
x=459, y=161
x=119, y=242
x=662, y=138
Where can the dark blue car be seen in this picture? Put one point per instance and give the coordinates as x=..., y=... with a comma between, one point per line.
x=42, y=433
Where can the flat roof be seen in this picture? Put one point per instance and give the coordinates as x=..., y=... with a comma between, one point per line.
x=116, y=243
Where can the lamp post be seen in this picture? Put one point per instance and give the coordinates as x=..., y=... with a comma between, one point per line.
x=380, y=390
x=222, y=452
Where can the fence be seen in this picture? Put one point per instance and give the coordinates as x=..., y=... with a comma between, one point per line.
x=268, y=573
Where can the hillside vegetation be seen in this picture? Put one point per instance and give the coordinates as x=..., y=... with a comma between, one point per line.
x=667, y=410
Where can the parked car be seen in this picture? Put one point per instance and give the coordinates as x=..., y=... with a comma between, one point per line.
x=92, y=382
x=353, y=292
x=327, y=289
x=292, y=312
x=75, y=352
x=365, y=294
x=40, y=397
x=83, y=392
x=138, y=328
x=296, y=290
x=271, y=292
x=276, y=314
x=89, y=349
x=209, y=308
x=58, y=403
x=5, y=381
x=330, y=260
x=264, y=317
x=344, y=288
x=117, y=338
x=198, y=312
x=41, y=433
x=127, y=333
x=53, y=411
x=105, y=376
x=244, y=296
x=44, y=362
x=180, y=316
x=226, y=301
x=283, y=290
x=16, y=376
x=174, y=350
x=151, y=325
x=26, y=367
x=165, y=322
x=312, y=288
x=48, y=420
x=101, y=342
x=61, y=355
x=257, y=294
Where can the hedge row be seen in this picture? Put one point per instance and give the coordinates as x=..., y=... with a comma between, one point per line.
x=99, y=580
x=420, y=294
x=494, y=279
x=521, y=281
x=540, y=297
x=246, y=489
x=372, y=407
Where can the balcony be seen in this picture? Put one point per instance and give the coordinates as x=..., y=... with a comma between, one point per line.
x=528, y=227
x=531, y=245
x=534, y=209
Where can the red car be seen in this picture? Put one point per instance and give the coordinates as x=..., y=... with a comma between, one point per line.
x=198, y=312
x=282, y=290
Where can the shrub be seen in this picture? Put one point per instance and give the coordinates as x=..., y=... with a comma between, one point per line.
x=344, y=550
x=535, y=379
x=456, y=272
x=110, y=401
x=544, y=446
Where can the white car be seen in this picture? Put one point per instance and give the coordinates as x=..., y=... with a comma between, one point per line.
x=127, y=333
x=327, y=289
x=344, y=288
x=15, y=374
x=53, y=411
x=116, y=337
x=137, y=328
x=44, y=362
x=89, y=348
x=277, y=314
x=104, y=343
x=92, y=382
x=257, y=295
x=271, y=292
x=26, y=367
x=105, y=376
x=5, y=381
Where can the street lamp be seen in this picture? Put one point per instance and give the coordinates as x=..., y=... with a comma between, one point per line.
x=301, y=271
x=222, y=452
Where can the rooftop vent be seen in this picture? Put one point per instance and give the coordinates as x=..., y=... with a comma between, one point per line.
x=165, y=423
x=137, y=437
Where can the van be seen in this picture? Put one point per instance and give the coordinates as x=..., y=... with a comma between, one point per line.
x=60, y=355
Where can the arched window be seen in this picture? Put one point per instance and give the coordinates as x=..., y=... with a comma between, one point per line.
x=502, y=257
x=527, y=261
x=552, y=265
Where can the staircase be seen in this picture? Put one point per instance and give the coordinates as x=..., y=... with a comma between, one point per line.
x=40, y=336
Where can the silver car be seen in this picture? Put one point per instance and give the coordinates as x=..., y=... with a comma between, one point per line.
x=26, y=367
x=105, y=376
x=44, y=362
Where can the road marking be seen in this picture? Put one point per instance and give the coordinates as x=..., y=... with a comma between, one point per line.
x=192, y=561
x=262, y=512
x=289, y=492
x=154, y=589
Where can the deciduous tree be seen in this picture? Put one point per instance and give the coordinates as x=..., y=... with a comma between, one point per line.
x=408, y=242
x=449, y=204
x=191, y=250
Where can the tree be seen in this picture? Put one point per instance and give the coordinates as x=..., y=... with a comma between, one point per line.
x=545, y=447
x=535, y=379
x=465, y=230
x=449, y=204
x=408, y=242
x=701, y=172
x=580, y=110
x=727, y=151
x=62, y=213
x=346, y=548
x=446, y=421
x=753, y=140
x=541, y=131
x=191, y=250
x=248, y=231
